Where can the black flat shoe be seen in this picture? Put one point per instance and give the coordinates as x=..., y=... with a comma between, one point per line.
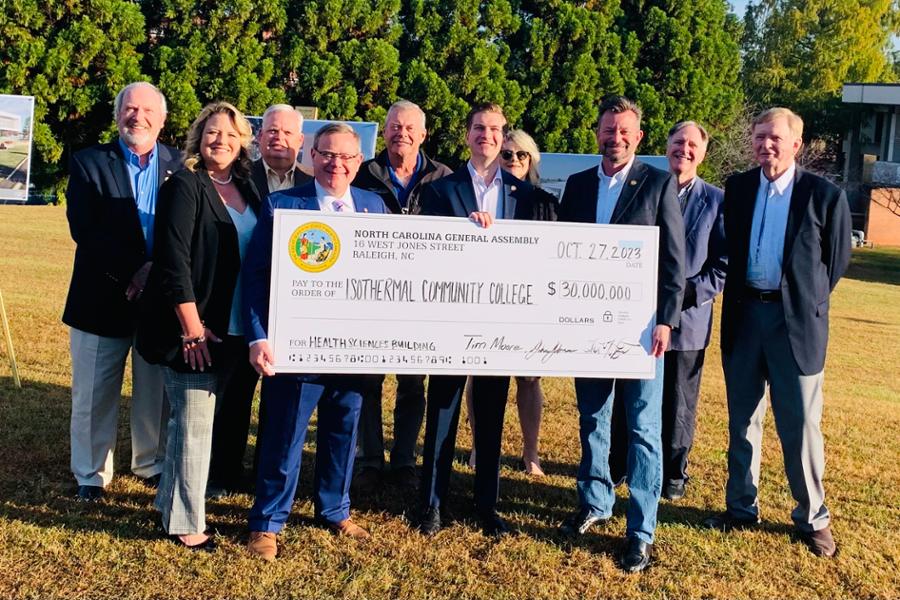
x=207, y=545
x=726, y=522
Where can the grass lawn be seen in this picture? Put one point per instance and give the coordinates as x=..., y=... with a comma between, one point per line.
x=51, y=546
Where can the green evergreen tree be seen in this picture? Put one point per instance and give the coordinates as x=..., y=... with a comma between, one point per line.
x=341, y=56
x=199, y=51
x=454, y=55
x=688, y=65
x=73, y=57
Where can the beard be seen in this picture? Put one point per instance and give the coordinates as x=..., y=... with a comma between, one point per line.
x=135, y=137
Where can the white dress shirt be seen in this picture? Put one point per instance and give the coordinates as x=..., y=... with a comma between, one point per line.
x=488, y=194
x=770, y=215
x=329, y=203
x=276, y=183
x=609, y=191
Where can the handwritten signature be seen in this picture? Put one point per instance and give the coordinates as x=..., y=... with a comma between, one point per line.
x=613, y=349
x=545, y=352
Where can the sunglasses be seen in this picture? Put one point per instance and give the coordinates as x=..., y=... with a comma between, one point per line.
x=520, y=154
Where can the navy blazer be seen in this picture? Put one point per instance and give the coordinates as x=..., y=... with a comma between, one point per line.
x=454, y=196
x=706, y=261
x=649, y=197
x=257, y=268
x=816, y=255
x=104, y=223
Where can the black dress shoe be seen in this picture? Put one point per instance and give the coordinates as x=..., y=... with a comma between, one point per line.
x=493, y=525
x=673, y=490
x=89, y=493
x=579, y=522
x=726, y=522
x=430, y=522
x=207, y=545
x=636, y=555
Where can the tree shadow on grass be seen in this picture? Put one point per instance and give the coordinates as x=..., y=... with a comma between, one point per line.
x=880, y=265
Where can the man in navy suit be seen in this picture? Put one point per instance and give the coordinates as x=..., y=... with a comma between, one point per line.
x=788, y=236
x=482, y=191
x=110, y=204
x=291, y=399
x=623, y=190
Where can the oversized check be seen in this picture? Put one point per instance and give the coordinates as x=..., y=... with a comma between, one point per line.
x=361, y=293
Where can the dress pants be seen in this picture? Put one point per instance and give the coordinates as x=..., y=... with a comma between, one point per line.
x=290, y=402
x=98, y=367
x=642, y=402
x=233, y=408
x=409, y=411
x=762, y=355
x=445, y=393
x=181, y=497
x=681, y=391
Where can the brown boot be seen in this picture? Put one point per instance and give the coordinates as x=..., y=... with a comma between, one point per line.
x=821, y=542
x=263, y=544
x=350, y=529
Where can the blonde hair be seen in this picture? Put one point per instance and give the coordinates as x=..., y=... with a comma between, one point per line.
x=527, y=143
x=795, y=123
x=241, y=165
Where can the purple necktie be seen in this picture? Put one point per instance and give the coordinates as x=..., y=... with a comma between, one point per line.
x=338, y=206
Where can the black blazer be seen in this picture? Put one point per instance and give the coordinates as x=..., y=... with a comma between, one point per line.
x=259, y=179
x=649, y=197
x=454, y=196
x=816, y=255
x=103, y=221
x=374, y=176
x=198, y=260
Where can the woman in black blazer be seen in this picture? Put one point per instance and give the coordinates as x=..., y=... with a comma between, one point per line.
x=190, y=320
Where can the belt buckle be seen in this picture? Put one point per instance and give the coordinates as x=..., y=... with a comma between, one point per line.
x=767, y=296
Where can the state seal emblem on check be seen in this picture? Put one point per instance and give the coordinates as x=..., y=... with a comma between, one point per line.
x=314, y=247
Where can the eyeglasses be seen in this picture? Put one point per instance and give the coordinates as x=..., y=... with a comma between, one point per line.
x=520, y=154
x=334, y=156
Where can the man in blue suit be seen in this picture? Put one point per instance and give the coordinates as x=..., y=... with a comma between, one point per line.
x=291, y=399
x=706, y=262
x=111, y=203
x=482, y=191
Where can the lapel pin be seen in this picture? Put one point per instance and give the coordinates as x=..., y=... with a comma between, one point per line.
x=632, y=182
x=512, y=188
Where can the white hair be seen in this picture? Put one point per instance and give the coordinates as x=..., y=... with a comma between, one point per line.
x=277, y=108
x=120, y=97
x=401, y=105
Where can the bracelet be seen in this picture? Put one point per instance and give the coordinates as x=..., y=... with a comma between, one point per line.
x=189, y=341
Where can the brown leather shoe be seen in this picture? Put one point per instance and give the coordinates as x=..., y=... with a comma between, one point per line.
x=263, y=544
x=350, y=529
x=821, y=542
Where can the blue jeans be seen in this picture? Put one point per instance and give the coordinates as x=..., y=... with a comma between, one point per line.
x=643, y=411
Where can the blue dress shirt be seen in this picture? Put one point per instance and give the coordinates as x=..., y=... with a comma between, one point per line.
x=144, y=182
x=770, y=215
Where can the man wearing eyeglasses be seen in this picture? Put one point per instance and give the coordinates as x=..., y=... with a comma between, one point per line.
x=483, y=192
x=398, y=175
x=291, y=399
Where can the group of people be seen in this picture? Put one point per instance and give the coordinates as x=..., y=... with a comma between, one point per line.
x=173, y=259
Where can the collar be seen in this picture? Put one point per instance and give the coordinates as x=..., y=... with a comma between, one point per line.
x=782, y=183
x=618, y=177
x=321, y=194
x=687, y=189
x=476, y=177
x=133, y=158
x=416, y=169
x=271, y=171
